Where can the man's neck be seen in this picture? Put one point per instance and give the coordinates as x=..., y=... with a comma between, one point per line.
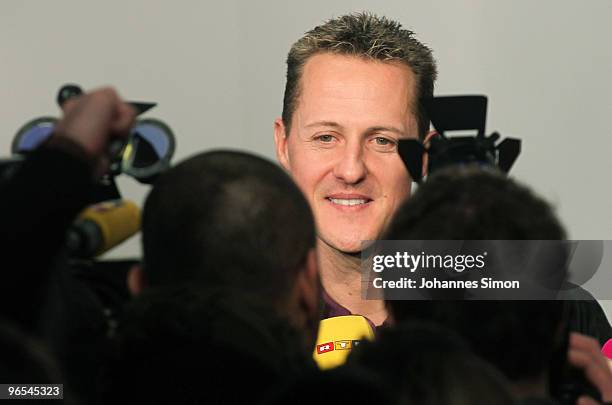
x=341, y=278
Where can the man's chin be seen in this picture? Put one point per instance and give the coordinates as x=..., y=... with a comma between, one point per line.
x=347, y=247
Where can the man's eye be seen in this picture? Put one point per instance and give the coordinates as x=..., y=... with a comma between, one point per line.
x=382, y=141
x=325, y=138
x=384, y=144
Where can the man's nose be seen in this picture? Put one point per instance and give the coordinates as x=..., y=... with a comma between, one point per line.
x=350, y=167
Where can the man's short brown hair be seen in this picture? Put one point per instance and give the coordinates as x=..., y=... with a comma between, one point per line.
x=367, y=36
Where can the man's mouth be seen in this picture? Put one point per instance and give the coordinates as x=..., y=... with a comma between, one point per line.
x=349, y=201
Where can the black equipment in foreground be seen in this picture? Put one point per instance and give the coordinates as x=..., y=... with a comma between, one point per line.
x=145, y=154
x=458, y=113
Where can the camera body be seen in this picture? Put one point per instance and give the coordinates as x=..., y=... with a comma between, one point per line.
x=452, y=114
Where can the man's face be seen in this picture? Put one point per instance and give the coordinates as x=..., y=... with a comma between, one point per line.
x=342, y=148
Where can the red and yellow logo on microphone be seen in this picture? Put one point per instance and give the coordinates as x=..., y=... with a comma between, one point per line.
x=325, y=347
x=337, y=336
x=343, y=344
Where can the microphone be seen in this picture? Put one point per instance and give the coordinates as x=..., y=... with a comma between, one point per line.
x=101, y=227
x=337, y=337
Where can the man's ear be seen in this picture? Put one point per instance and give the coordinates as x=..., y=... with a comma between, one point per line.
x=426, y=143
x=135, y=279
x=280, y=140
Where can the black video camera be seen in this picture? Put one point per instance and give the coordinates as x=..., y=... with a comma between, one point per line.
x=458, y=113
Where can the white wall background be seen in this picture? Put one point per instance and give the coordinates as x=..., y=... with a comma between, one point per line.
x=217, y=71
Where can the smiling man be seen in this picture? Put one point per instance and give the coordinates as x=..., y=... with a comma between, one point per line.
x=355, y=86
